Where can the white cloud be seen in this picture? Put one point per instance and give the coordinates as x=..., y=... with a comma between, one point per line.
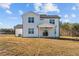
x=73, y=15
x=51, y=7
x=1, y=23
x=4, y=25
x=60, y=15
x=20, y=12
x=74, y=8
x=47, y=7
x=66, y=16
x=77, y=6
x=12, y=17
x=66, y=20
x=27, y=5
x=5, y=5
x=37, y=7
x=8, y=11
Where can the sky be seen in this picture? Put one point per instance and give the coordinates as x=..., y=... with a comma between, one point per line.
x=10, y=13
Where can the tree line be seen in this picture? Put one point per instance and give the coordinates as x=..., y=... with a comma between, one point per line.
x=7, y=31
x=69, y=29
x=66, y=29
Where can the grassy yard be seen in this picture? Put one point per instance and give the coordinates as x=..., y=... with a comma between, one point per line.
x=16, y=46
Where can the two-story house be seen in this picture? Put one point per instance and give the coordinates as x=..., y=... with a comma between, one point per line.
x=40, y=25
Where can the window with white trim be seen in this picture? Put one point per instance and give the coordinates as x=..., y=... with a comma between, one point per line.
x=30, y=19
x=52, y=21
x=31, y=31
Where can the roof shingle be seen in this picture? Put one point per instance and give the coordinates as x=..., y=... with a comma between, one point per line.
x=18, y=26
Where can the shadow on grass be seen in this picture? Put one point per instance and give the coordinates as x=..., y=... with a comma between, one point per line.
x=70, y=39
x=59, y=38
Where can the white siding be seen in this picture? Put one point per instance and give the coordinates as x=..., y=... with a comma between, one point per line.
x=57, y=28
x=37, y=21
x=27, y=25
x=18, y=31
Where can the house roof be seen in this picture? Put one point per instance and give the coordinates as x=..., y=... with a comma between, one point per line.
x=45, y=25
x=19, y=26
x=49, y=16
x=43, y=15
x=30, y=12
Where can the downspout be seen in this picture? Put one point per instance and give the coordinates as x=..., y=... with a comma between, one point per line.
x=38, y=30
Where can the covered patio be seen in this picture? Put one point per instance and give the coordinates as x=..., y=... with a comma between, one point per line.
x=45, y=30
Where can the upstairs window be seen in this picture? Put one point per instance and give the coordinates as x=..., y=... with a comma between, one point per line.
x=30, y=19
x=52, y=21
x=31, y=31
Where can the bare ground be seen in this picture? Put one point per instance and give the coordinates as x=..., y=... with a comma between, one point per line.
x=16, y=46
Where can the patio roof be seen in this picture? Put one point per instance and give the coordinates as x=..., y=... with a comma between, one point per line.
x=49, y=16
x=45, y=25
x=19, y=26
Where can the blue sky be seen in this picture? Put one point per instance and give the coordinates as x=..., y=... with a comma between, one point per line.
x=10, y=13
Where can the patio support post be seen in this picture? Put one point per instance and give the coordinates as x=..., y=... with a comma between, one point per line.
x=38, y=31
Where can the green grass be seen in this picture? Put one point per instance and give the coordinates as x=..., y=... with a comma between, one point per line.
x=16, y=46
